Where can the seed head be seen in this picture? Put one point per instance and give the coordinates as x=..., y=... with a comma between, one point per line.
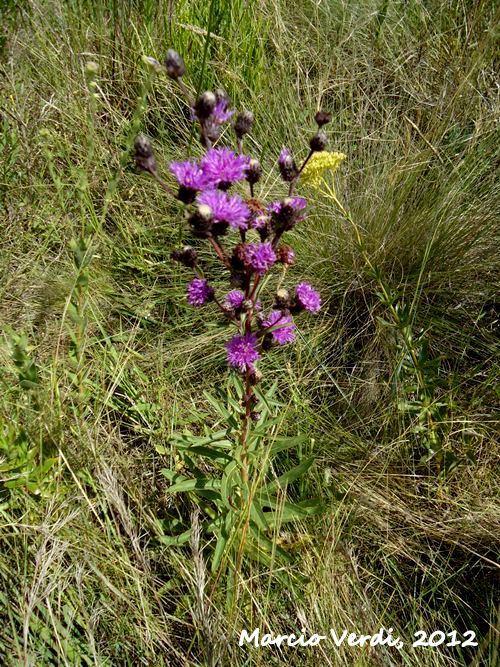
x=174, y=64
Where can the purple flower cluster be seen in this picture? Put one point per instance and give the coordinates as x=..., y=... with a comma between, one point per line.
x=223, y=167
x=284, y=331
x=205, y=184
x=307, y=297
x=189, y=175
x=199, y=292
x=219, y=168
x=259, y=257
x=295, y=203
x=234, y=299
x=230, y=209
x=242, y=352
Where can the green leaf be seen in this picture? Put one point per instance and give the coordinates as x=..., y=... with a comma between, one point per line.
x=201, y=484
x=263, y=547
x=212, y=454
x=219, y=439
x=283, y=443
x=217, y=405
x=293, y=512
x=291, y=475
x=231, y=480
x=258, y=516
x=223, y=534
x=176, y=540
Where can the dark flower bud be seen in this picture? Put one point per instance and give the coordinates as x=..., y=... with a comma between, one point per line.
x=318, y=142
x=211, y=131
x=255, y=376
x=186, y=195
x=220, y=228
x=255, y=416
x=221, y=95
x=247, y=305
x=205, y=104
x=288, y=168
x=286, y=255
x=201, y=221
x=143, y=154
x=243, y=123
x=239, y=255
x=187, y=256
x=237, y=278
x=264, y=233
x=283, y=300
x=322, y=118
x=267, y=342
x=254, y=171
x=174, y=64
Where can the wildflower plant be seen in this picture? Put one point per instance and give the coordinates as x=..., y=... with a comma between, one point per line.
x=219, y=190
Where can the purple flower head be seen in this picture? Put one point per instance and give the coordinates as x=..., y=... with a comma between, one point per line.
x=259, y=221
x=234, y=299
x=226, y=208
x=284, y=157
x=259, y=257
x=307, y=297
x=189, y=175
x=222, y=167
x=220, y=114
x=295, y=203
x=285, y=333
x=242, y=351
x=199, y=292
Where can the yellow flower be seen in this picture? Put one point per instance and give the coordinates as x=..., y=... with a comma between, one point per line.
x=313, y=172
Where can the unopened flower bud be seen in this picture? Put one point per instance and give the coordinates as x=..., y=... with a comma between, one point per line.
x=212, y=132
x=187, y=256
x=247, y=305
x=283, y=300
x=221, y=95
x=286, y=255
x=318, y=142
x=205, y=105
x=152, y=62
x=91, y=68
x=174, y=64
x=201, y=221
x=288, y=168
x=143, y=154
x=243, y=123
x=255, y=376
x=322, y=118
x=253, y=171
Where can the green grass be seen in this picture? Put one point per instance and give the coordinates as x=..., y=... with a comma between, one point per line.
x=85, y=579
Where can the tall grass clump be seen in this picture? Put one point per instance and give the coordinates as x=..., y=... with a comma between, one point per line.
x=106, y=368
